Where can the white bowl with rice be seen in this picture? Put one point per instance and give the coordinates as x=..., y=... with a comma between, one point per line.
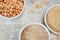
x=52, y=18
x=34, y=31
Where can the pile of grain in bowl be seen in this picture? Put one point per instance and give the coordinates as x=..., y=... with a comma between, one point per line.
x=11, y=8
x=34, y=32
x=53, y=18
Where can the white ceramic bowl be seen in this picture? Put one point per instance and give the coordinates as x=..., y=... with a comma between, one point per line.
x=16, y=15
x=46, y=21
x=36, y=24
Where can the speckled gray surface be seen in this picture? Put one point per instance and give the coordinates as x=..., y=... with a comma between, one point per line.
x=9, y=29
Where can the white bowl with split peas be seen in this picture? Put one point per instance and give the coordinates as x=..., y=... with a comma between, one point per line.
x=15, y=11
x=52, y=18
x=31, y=32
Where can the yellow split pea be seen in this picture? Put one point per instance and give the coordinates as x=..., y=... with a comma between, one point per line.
x=11, y=8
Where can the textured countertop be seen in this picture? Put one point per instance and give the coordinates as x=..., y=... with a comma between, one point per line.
x=34, y=12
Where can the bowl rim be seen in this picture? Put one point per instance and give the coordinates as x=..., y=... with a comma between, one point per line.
x=46, y=21
x=14, y=16
x=36, y=24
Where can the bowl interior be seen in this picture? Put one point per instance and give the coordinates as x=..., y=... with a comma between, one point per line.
x=34, y=24
x=16, y=15
x=46, y=19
